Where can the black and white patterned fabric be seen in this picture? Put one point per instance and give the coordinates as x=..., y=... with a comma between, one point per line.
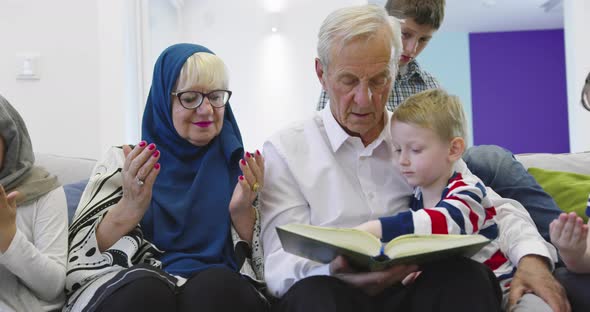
x=92, y=275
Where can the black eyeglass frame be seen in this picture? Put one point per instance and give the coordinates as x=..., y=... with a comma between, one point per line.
x=586, y=93
x=203, y=96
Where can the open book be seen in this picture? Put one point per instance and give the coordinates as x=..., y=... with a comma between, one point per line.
x=366, y=252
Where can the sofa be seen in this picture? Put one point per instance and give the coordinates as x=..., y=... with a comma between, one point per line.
x=573, y=162
x=68, y=169
x=557, y=174
x=566, y=177
x=72, y=173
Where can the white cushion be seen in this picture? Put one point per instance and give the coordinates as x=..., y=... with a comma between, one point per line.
x=67, y=169
x=574, y=162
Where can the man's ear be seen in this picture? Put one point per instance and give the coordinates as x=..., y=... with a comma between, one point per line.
x=456, y=149
x=319, y=71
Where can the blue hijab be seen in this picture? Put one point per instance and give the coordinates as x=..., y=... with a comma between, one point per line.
x=188, y=216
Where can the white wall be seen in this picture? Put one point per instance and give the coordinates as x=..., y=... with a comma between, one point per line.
x=88, y=96
x=61, y=108
x=453, y=73
x=577, y=57
x=81, y=104
x=271, y=74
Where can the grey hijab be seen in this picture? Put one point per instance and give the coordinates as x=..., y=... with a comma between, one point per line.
x=18, y=172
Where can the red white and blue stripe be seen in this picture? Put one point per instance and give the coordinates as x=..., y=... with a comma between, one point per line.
x=464, y=208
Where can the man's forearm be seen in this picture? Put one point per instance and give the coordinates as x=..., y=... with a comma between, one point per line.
x=535, y=262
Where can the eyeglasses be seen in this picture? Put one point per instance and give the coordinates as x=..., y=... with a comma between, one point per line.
x=586, y=94
x=194, y=99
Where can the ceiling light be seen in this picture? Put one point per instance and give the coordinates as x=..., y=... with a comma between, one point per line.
x=489, y=3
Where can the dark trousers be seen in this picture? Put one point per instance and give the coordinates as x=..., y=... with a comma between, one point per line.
x=453, y=285
x=576, y=286
x=216, y=289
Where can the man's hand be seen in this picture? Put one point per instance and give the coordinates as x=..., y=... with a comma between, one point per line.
x=371, y=283
x=533, y=276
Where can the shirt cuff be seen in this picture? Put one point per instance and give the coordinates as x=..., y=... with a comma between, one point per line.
x=11, y=255
x=394, y=226
x=534, y=248
x=319, y=270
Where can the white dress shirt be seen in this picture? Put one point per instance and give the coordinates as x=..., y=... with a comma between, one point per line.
x=315, y=173
x=33, y=268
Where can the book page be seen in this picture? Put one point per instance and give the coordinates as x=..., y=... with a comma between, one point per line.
x=407, y=245
x=353, y=239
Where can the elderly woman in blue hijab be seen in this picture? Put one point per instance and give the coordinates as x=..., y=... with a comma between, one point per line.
x=33, y=223
x=170, y=224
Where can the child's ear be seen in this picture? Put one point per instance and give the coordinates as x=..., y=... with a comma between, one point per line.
x=456, y=149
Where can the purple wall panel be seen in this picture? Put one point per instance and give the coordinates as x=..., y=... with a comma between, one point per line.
x=518, y=87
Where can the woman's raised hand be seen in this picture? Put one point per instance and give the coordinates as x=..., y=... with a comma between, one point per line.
x=7, y=218
x=139, y=173
x=249, y=184
x=140, y=170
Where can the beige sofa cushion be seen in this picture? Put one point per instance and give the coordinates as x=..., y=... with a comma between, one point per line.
x=574, y=162
x=67, y=169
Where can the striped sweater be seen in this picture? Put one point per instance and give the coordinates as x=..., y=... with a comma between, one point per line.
x=464, y=208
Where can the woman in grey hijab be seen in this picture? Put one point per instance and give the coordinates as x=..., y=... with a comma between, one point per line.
x=33, y=223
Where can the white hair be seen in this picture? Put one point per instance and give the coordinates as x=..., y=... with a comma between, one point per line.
x=346, y=24
x=204, y=69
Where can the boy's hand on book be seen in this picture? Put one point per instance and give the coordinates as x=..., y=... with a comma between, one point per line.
x=371, y=283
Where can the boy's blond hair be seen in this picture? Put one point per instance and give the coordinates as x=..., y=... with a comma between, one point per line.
x=434, y=109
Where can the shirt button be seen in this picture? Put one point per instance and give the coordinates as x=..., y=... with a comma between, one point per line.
x=101, y=170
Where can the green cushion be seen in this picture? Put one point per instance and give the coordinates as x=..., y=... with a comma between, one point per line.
x=569, y=190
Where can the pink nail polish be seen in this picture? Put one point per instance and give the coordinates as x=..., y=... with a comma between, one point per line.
x=156, y=154
x=142, y=144
x=151, y=146
x=248, y=155
x=258, y=152
x=157, y=166
x=243, y=162
x=241, y=178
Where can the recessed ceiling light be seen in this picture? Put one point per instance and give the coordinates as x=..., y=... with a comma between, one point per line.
x=489, y=3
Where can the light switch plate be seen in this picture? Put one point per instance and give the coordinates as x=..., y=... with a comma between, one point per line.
x=27, y=66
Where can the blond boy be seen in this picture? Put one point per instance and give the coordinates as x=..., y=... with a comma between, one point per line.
x=428, y=134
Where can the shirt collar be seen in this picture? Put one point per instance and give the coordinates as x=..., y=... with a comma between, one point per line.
x=413, y=69
x=337, y=136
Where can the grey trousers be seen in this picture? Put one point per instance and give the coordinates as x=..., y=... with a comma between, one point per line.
x=528, y=303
